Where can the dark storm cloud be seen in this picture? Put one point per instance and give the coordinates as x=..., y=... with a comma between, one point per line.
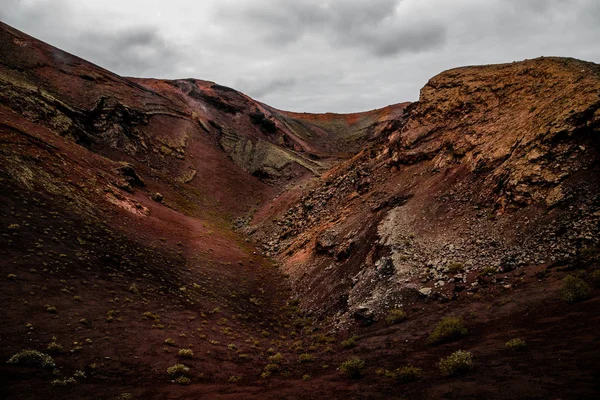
x=379, y=27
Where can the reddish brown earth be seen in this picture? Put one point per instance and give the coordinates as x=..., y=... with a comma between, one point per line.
x=280, y=232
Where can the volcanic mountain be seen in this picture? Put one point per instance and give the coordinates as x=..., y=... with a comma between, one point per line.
x=178, y=239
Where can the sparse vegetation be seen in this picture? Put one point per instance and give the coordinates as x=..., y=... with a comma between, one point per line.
x=63, y=382
x=111, y=314
x=395, y=316
x=178, y=370
x=54, y=347
x=276, y=358
x=150, y=315
x=186, y=353
x=349, y=343
x=182, y=380
x=457, y=363
x=515, y=344
x=488, y=271
x=408, y=373
x=32, y=358
x=306, y=358
x=575, y=289
x=404, y=374
x=353, y=367
x=447, y=330
x=455, y=268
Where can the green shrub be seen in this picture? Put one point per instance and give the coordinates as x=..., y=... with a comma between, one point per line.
x=276, y=358
x=79, y=375
x=395, y=316
x=178, y=370
x=488, y=271
x=575, y=289
x=349, y=343
x=447, y=330
x=51, y=309
x=63, y=382
x=54, y=347
x=182, y=380
x=323, y=339
x=408, y=373
x=515, y=344
x=306, y=358
x=457, y=363
x=455, y=268
x=32, y=358
x=186, y=353
x=353, y=367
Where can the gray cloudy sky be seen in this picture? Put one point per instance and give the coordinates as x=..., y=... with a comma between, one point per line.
x=310, y=55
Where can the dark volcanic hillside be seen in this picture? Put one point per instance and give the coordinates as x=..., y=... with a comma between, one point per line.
x=151, y=223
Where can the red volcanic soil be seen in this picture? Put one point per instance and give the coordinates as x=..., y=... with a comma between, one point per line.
x=148, y=223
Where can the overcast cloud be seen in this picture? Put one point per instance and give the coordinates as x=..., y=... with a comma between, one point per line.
x=310, y=55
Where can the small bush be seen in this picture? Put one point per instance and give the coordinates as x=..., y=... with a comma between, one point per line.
x=234, y=379
x=455, y=268
x=447, y=330
x=353, y=367
x=169, y=342
x=32, y=358
x=575, y=289
x=182, y=380
x=488, y=271
x=306, y=377
x=349, y=343
x=306, y=358
x=178, y=370
x=457, y=363
x=515, y=344
x=395, y=316
x=269, y=369
x=408, y=374
x=150, y=315
x=63, y=382
x=276, y=358
x=51, y=309
x=11, y=277
x=54, y=347
x=79, y=375
x=186, y=353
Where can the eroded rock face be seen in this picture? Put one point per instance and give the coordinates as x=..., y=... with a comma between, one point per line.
x=523, y=127
x=494, y=169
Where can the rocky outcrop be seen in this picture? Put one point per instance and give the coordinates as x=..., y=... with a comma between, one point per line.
x=495, y=169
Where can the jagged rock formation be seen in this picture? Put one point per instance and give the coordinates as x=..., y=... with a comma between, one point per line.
x=496, y=167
